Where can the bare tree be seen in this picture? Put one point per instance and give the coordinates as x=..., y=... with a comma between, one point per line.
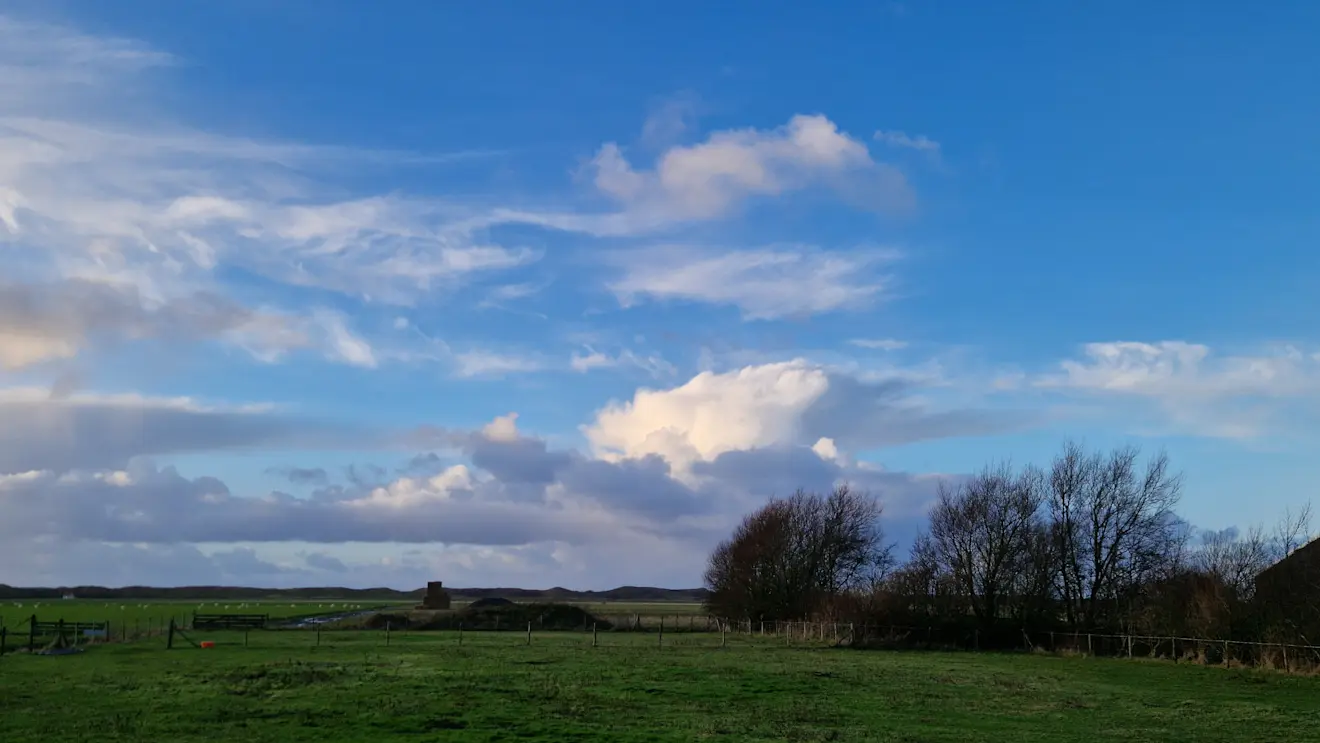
x=790, y=558
x=1114, y=526
x=1293, y=530
x=982, y=535
x=1234, y=559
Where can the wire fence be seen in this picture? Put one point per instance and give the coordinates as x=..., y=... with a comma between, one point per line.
x=31, y=634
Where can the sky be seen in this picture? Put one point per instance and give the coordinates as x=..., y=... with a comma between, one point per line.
x=531, y=294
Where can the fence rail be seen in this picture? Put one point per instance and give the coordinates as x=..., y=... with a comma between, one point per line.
x=1210, y=651
x=229, y=621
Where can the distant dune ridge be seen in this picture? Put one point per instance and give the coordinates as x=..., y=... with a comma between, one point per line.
x=622, y=593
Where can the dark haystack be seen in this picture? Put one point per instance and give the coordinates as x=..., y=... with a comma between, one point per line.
x=506, y=615
x=489, y=601
x=393, y=621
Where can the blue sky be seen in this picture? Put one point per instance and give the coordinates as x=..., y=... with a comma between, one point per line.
x=323, y=292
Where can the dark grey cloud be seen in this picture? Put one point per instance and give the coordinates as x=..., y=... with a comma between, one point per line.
x=772, y=471
x=106, y=433
x=861, y=414
x=322, y=561
x=58, y=318
x=161, y=506
x=301, y=475
x=641, y=486
x=520, y=461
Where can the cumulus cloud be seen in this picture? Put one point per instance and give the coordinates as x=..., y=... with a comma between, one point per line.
x=764, y=284
x=508, y=493
x=783, y=403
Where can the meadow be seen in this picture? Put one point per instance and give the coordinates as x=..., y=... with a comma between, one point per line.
x=436, y=686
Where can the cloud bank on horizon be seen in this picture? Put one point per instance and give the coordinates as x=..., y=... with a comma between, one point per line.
x=255, y=332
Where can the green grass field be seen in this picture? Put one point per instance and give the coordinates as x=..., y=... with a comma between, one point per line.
x=494, y=687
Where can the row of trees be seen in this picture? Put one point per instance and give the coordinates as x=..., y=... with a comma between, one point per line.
x=1090, y=543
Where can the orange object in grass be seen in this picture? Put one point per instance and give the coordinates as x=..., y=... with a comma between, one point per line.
x=208, y=644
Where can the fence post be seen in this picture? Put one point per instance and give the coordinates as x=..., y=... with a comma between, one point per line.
x=1090, y=653
x=762, y=628
x=4, y=635
x=318, y=636
x=529, y=633
x=660, y=641
x=1286, y=668
x=1129, y=644
x=593, y=634
x=32, y=634
x=1228, y=662
x=169, y=643
x=387, y=633
x=460, y=633
x=724, y=636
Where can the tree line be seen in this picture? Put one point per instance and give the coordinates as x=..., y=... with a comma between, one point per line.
x=1090, y=543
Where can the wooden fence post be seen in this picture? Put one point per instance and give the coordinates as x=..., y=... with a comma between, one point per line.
x=32, y=635
x=593, y=635
x=387, y=633
x=318, y=635
x=724, y=636
x=460, y=633
x=4, y=635
x=1090, y=653
x=529, y=633
x=661, y=640
x=1228, y=662
x=1286, y=668
x=169, y=643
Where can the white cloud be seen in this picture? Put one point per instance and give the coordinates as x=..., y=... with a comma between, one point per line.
x=710, y=179
x=593, y=359
x=343, y=344
x=503, y=428
x=765, y=284
x=716, y=178
x=491, y=364
x=793, y=403
x=97, y=183
x=920, y=142
x=879, y=344
x=1186, y=370
x=1195, y=389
